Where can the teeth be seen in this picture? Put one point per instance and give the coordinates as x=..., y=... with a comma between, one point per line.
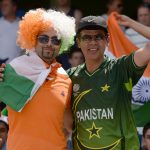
x=92, y=49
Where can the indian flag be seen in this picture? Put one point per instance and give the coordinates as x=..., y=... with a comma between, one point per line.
x=22, y=78
x=119, y=46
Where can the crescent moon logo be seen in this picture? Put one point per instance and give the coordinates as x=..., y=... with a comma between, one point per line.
x=109, y=147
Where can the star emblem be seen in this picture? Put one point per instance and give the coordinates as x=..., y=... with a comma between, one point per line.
x=105, y=88
x=94, y=131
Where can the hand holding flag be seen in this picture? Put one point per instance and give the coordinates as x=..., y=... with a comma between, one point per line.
x=120, y=45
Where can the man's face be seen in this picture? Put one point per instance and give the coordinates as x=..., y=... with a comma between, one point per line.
x=146, y=1
x=116, y=5
x=92, y=44
x=3, y=132
x=48, y=45
x=62, y=2
x=144, y=16
x=147, y=139
x=76, y=59
x=7, y=8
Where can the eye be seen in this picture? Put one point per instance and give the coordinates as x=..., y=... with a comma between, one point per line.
x=99, y=37
x=43, y=39
x=55, y=41
x=86, y=38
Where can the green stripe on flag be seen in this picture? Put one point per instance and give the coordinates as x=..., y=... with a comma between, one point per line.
x=142, y=115
x=16, y=89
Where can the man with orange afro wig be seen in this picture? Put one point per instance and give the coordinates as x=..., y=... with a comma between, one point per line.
x=39, y=90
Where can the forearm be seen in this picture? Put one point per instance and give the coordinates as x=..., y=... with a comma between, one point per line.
x=142, y=29
x=142, y=56
x=128, y=22
x=68, y=121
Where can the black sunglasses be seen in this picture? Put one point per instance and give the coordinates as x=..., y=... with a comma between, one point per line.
x=44, y=39
x=89, y=38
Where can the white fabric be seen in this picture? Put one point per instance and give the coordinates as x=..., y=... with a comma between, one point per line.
x=136, y=38
x=32, y=67
x=8, y=35
x=29, y=66
x=105, y=16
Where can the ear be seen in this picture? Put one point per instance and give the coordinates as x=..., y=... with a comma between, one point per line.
x=78, y=42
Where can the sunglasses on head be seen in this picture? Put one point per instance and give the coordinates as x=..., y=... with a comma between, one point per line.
x=44, y=39
x=89, y=38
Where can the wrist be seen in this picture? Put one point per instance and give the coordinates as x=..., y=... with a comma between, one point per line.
x=132, y=23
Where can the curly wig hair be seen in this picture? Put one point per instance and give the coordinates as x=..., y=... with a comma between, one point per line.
x=37, y=21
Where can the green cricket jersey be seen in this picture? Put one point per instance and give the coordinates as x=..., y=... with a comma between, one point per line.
x=101, y=105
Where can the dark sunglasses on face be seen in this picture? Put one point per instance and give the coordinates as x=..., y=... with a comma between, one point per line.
x=44, y=39
x=89, y=38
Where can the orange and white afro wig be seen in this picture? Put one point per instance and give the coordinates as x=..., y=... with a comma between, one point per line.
x=36, y=21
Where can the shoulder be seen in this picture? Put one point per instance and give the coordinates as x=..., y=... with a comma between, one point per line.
x=20, y=58
x=2, y=20
x=75, y=70
x=130, y=31
x=18, y=19
x=105, y=16
x=61, y=71
x=63, y=76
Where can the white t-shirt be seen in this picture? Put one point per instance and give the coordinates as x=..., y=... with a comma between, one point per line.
x=8, y=36
x=136, y=38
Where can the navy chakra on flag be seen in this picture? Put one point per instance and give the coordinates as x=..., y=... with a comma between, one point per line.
x=141, y=91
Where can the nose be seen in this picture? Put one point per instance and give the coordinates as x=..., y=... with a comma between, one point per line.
x=49, y=43
x=93, y=40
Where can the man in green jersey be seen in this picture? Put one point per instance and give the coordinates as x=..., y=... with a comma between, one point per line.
x=101, y=100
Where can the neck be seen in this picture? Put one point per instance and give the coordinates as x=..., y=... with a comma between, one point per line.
x=10, y=18
x=109, y=12
x=65, y=9
x=92, y=65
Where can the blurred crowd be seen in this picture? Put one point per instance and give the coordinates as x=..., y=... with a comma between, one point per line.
x=9, y=22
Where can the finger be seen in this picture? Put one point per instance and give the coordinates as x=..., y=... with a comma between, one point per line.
x=1, y=69
x=117, y=16
x=1, y=75
x=3, y=65
x=1, y=79
x=1, y=143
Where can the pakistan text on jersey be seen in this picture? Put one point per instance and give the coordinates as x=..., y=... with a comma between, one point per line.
x=94, y=114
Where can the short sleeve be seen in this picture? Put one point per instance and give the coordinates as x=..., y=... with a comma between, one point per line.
x=128, y=68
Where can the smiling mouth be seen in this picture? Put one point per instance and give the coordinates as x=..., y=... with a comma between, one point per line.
x=93, y=49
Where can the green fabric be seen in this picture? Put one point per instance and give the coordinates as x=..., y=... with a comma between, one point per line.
x=4, y=112
x=101, y=104
x=141, y=114
x=15, y=90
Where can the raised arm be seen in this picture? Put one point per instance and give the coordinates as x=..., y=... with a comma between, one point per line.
x=128, y=22
x=142, y=56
